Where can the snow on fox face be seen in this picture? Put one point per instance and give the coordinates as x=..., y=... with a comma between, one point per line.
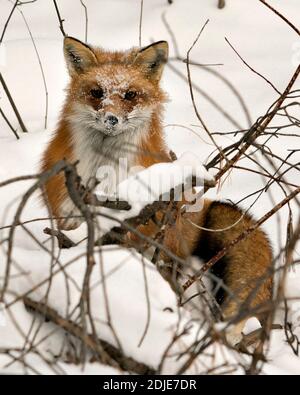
x=114, y=99
x=114, y=92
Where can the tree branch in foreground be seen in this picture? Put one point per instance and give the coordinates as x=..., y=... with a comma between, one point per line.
x=123, y=362
x=63, y=240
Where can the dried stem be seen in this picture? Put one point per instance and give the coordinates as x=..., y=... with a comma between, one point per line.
x=61, y=21
x=12, y=103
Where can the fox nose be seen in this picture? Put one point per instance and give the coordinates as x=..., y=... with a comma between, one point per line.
x=111, y=120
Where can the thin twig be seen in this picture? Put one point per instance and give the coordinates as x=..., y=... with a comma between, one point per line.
x=86, y=20
x=8, y=20
x=246, y=233
x=281, y=16
x=9, y=124
x=252, y=69
x=192, y=92
x=63, y=240
x=140, y=23
x=12, y=103
x=112, y=355
x=41, y=68
x=61, y=21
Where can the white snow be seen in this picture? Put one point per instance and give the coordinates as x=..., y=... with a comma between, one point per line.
x=149, y=184
x=268, y=44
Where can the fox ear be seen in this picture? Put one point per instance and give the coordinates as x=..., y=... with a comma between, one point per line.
x=79, y=56
x=153, y=58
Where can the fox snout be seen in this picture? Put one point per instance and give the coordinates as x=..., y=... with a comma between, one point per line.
x=110, y=123
x=110, y=120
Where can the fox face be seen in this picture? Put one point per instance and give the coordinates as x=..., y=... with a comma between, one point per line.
x=112, y=111
x=114, y=92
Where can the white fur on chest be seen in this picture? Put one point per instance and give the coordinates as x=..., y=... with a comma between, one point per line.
x=95, y=151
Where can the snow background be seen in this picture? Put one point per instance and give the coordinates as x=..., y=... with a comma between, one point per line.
x=267, y=43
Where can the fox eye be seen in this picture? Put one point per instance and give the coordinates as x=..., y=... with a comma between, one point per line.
x=97, y=93
x=130, y=95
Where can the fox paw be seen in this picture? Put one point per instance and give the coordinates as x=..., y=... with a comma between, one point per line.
x=234, y=337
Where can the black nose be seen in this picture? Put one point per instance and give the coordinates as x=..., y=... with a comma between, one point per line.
x=112, y=120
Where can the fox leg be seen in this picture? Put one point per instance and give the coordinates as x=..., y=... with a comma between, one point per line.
x=69, y=216
x=61, y=207
x=234, y=333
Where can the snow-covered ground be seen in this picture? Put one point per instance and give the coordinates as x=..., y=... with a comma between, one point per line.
x=268, y=45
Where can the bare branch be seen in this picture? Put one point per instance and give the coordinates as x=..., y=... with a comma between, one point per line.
x=61, y=21
x=12, y=103
x=105, y=354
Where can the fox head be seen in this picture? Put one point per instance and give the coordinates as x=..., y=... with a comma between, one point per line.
x=114, y=92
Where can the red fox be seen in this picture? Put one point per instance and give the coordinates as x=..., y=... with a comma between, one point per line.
x=114, y=109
